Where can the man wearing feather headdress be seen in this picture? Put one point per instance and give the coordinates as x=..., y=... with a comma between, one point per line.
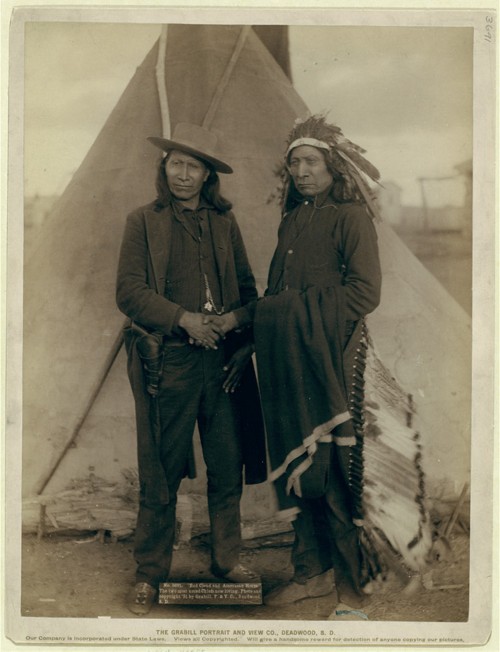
x=323, y=280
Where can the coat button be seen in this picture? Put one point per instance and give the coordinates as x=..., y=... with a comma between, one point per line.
x=290, y=251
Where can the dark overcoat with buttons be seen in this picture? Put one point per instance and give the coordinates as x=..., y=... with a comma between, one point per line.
x=323, y=243
x=140, y=294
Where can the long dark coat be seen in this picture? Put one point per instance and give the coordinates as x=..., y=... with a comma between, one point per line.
x=324, y=278
x=140, y=295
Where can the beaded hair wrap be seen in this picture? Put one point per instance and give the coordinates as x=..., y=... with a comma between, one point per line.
x=344, y=156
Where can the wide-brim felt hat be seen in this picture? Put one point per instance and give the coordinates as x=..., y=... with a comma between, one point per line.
x=195, y=141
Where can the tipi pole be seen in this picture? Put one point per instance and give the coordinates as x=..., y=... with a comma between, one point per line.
x=117, y=344
x=160, y=83
x=221, y=87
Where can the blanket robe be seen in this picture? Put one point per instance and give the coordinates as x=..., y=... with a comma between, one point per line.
x=305, y=394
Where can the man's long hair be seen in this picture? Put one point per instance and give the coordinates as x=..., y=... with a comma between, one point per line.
x=210, y=191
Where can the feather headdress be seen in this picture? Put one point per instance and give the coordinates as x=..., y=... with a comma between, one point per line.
x=345, y=158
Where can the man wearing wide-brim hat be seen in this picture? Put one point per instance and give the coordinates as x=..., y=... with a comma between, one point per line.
x=185, y=283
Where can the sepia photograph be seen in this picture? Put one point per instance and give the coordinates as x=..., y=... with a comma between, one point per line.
x=250, y=327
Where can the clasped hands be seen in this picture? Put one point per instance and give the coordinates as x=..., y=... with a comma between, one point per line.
x=207, y=330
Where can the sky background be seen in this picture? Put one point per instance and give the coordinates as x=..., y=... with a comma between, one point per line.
x=402, y=93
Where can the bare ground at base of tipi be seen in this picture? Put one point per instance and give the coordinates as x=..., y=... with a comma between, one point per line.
x=82, y=577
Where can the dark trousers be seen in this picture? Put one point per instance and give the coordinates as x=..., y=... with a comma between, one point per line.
x=190, y=391
x=325, y=536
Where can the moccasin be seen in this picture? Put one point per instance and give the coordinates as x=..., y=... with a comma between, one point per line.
x=241, y=574
x=293, y=591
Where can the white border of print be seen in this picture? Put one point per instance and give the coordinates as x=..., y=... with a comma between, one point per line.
x=477, y=630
